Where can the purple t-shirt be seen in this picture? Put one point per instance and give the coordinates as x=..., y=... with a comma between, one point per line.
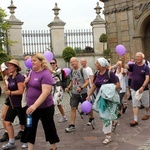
x=105, y=79
x=12, y=86
x=34, y=87
x=138, y=75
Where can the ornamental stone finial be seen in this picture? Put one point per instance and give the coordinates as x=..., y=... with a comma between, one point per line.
x=12, y=8
x=56, y=11
x=98, y=9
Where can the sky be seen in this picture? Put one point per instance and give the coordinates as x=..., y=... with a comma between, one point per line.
x=37, y=14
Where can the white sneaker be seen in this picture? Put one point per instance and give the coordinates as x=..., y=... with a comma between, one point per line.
x=9, y=146
x=63, y=119
x=24, y=145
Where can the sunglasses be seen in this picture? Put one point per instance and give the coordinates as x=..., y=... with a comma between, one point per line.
x=52, y=63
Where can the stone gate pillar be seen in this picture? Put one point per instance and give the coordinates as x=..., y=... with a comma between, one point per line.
x=98, y=27
x=15, y=34
x=57, y=33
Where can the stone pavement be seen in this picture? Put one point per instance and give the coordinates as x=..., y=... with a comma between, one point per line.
x=85, y=138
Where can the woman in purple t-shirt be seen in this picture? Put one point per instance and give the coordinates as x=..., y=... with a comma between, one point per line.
x=103, y=76
x=15, y=90
x=40, y=103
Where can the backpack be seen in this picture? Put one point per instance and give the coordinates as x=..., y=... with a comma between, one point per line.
x=64, y=80
x=81, y=71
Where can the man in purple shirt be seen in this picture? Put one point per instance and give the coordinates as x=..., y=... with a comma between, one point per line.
x=140, y=80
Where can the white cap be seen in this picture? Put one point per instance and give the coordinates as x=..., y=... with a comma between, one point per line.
x=3, y=67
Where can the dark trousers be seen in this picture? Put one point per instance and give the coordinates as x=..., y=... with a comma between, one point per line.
x=46, y=115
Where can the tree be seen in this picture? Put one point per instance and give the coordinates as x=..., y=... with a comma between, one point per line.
x=67, y=53
x=4, y=25
x=103, y=39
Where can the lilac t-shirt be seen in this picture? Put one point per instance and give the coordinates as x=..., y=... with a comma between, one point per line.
x=12, y=86
x=105, y=79
x=138, y=75
x=34, y=87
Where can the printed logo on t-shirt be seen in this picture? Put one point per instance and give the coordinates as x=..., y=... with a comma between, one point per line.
x=105, y=80
x=142, y=71
x=35, y=79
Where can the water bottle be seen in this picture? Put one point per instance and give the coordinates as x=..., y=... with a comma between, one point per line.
x=29, y=120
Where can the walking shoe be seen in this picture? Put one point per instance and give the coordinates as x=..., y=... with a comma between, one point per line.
x=9, y=146
x=107, y=140
x=17, y=137
x=5, y=137
x=63, y=119
x=133, y=123
x=24, y=145
x=91, y=121
x=70, y=128
x=145, y=117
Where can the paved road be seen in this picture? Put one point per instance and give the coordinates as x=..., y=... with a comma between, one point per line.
x=85, y=138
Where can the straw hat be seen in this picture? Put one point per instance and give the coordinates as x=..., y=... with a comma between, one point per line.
x=15, y=62
x=3, y=67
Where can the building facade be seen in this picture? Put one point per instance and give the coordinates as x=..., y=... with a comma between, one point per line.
x=128, y=23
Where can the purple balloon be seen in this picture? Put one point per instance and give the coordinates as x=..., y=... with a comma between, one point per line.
x=121, y=50
x=28, y=63
x=48, y=55
x=67, y=71
x=130, y=62
x=86, y=106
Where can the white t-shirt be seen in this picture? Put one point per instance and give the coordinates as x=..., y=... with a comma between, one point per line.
x=122, y=81
x=90, y=73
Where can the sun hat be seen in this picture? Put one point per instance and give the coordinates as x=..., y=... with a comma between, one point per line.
x=3, y=67
x=15, y=62
x=137, y=95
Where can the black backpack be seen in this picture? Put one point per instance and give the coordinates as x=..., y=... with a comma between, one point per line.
x=64, y=80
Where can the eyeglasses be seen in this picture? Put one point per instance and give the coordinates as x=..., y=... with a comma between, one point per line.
x=52, y=63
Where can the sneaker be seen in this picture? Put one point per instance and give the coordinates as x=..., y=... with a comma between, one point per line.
x=5, y=137
x=70, y=128
x=63, y=119
x=17, y=137
x=24, y=145
x=9, y=146
x=91, y=121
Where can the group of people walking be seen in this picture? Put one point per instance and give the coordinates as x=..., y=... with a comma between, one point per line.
x=43, y=89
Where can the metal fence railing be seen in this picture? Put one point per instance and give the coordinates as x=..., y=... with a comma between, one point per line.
x=35, y=41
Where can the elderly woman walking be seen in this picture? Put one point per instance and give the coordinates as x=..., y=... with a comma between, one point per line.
x=105, y=83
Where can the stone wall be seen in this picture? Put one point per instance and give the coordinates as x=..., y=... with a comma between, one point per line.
x=124, y=24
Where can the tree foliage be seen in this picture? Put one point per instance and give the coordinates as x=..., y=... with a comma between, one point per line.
x=67, y=53
x=4, y=25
